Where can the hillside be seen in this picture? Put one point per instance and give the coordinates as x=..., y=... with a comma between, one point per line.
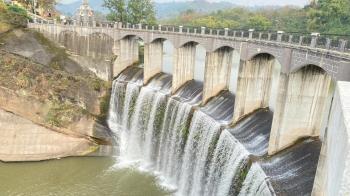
x=59, y=103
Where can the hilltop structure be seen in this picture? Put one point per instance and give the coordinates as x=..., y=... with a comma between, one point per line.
x=85, y=14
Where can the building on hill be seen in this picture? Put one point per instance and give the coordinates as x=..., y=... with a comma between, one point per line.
x=84, y=14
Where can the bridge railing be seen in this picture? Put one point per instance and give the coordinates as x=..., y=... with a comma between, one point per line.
x=314, y=40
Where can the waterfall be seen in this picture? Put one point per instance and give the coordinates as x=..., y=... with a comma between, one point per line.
x=256, y=183
x=200, y=143
x=173, y=138
x=228, y=161
x=116, y=105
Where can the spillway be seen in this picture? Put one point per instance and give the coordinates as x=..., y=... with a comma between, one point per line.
x=194, y=149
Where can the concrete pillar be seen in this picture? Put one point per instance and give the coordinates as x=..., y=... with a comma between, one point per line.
x=279, y=35
x=217, y=71
x=127, y=51
x=184, y=61
x=300, y=108
x=251, y=31
x=153, y=60
x=202, y=30
x=160, y=27
x=254, y=85
x=180, y=29
x=314, y=37
x=226, y=31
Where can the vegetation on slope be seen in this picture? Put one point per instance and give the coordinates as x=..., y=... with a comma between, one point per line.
x=11, y=17
x=325, y=16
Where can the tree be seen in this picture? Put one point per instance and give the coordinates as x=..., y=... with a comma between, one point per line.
x=117, y=10
x=141, y=11
x=330, y=16
x=134, y=11
x=259, y=22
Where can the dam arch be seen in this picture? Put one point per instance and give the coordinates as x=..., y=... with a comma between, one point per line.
x=257, y=84
x=304, y=97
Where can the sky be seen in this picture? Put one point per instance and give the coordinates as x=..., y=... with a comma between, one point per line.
x=238, y=2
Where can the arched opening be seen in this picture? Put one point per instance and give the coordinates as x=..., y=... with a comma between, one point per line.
x=304, y=100
x=257, y=85
x=168, y=58
x=199, y=65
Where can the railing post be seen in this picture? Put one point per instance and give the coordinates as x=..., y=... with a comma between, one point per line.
x=328, y=43
x=268, y=36
x=195, y=30
x=75, y=22
x=279, y=35
x=180, y=29
x=314, y=37
x=251, y=31
x=152, y=28
x=211, y=31
x=55, y=21
x=260, y=35
x=226, y=32
x=159, y=27
x=242, y=34
x=301, y=40
x=202, y=30
x=234, y=33
x=342, y=45
x=188, y=30
x=290, y=39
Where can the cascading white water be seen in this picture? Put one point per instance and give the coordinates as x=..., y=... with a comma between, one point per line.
x=116, y=106
x=173, y=138
x=229, y=158
x=201, y=140
x=158, y=133
x=256, y=183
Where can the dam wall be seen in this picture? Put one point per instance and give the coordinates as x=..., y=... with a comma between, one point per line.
x=291, y=79
x=333, y=172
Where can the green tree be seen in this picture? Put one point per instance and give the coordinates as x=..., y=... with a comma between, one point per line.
x=259, y=22
x=133, y=11
x=330, y=16
x=117, y=10
x=141, y=11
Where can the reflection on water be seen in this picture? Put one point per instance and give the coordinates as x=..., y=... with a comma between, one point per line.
x=86, y=176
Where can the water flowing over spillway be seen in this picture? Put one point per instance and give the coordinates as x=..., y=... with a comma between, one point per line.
x=192, y=148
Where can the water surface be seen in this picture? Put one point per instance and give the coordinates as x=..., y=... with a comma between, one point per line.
x=83, y=176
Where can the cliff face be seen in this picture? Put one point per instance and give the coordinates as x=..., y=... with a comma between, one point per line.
x=56, y=106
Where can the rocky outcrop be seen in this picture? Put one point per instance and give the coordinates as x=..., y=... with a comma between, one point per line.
x=22, y=140
x=56, y=108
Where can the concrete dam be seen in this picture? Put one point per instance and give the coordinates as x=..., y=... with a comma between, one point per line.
x=260, y=114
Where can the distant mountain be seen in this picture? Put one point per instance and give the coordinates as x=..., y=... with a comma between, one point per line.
x=171, y=9
x=164, y=10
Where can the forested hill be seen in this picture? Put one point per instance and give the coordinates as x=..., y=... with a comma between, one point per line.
x=326, y=17
x=163, y=10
